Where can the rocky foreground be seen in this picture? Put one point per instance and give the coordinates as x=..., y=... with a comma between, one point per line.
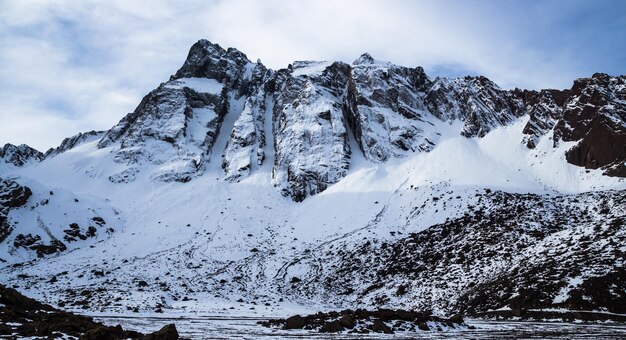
x=21, y=316
x=363, y=321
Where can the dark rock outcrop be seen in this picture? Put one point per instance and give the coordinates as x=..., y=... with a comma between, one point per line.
x=477, y=101
x=30, y=318
x=209, y=60
x=592, y=113
x=20, y=206
x=35, y=243
x=12, y=195
x=544, y=108
x=595, y=117
x=295, y=322
x=20, y=155
x=365, y=321
x=168, y=332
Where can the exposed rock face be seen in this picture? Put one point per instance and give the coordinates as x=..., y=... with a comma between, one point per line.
x=302, y=119
x=249, y=137
x=312, y=148
x=592, y=113
x=175, y=126
x=12, y=195
x=173, y=129
x=208, y=60
x=544, y=108
x=602, y=146
x=20, y=155
x=477, y=101
x=386, y=109
x=596, y=117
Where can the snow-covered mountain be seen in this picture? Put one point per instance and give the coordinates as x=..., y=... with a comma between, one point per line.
x=327, y=184
x=19, y=156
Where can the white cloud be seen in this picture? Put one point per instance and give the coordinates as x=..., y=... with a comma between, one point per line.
x=70, y=66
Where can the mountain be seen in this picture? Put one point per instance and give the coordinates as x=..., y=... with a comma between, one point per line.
x=17, y=156
x=312, y=110
x=327, y=185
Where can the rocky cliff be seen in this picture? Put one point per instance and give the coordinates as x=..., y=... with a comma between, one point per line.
x=19, y=155
x=309, y=119
x=307, y=114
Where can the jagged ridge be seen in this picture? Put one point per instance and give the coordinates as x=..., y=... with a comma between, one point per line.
x=314, y=108
x=308, y=113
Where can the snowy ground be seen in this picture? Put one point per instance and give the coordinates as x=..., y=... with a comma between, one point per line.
x=211, y=246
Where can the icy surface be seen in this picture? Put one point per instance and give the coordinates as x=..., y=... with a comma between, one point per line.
x=246, y=328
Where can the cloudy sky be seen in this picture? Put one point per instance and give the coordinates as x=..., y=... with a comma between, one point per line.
x=71, y=66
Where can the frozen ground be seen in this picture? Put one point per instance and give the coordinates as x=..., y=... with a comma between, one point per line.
x=247, y=328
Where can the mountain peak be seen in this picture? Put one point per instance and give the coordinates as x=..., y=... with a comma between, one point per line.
x=364, y=59
x=205, y=43
x=20, y=155
x=209, y=60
